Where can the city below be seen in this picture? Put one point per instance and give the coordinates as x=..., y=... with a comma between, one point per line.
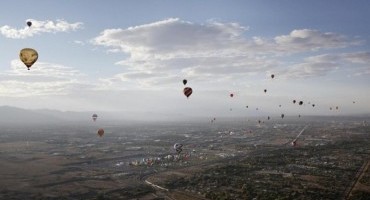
x=305, y=158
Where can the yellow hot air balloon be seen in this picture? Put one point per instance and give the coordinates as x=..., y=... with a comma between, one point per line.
x=28, y=56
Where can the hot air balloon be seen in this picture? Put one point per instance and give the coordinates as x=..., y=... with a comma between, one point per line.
x=272, y=75
x=101, y=132
x=337, y=107
x=268, y=117
x=331, y=108
x=187, y=91
x=184, y=81
x=282, y=116
x=231, y=95
x=178, y=147
x=354, y=102
x=29, y=23
x=300, y=103
x=313, y=105
x=279, y=105
x=259, y=121
x=294, y=101
x=246, y=106
x=28, y=56
x=265, y=90
x=299, y=116
x=94, y=117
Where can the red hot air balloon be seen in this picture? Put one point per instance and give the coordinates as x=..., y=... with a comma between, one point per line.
x=187, y=91
x=101, y=132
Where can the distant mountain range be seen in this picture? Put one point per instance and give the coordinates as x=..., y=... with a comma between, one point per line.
x=13, y=116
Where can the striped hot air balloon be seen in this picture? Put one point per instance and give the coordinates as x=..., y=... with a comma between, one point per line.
x=188, y=91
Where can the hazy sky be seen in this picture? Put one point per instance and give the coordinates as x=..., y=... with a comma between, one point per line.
x=131, y=56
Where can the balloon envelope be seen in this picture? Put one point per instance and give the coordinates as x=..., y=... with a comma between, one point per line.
x=29, y=23
x=28, y=56
x=187, y=91
x=178, y=147
x=101, y=132
x=184, y=81
x=94, y=116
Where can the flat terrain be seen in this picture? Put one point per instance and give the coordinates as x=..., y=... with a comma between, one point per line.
x=221, y=160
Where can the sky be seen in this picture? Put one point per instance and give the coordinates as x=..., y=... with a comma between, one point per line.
x=131, y=56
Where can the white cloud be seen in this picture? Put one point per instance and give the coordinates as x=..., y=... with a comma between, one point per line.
x=39, y=27
x=307, y=39
x=173, y=38
x=356, y=63
x=357, y=57
x=43, y=79
x=309, y=69
x=214, y=51
x=79, y=42
x=175, y=48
